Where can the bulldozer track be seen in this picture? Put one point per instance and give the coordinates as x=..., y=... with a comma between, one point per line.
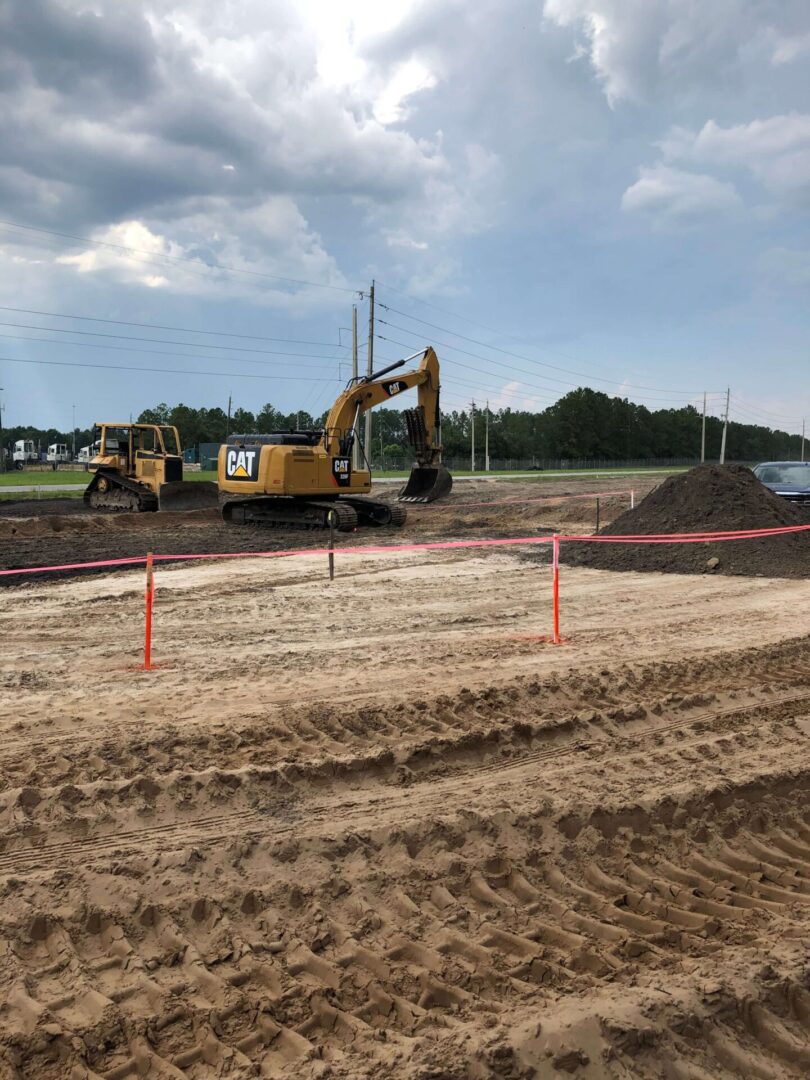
x=222, y=828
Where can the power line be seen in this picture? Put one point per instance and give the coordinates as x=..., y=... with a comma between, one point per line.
x=475, y=341
x=164, y=341
x=766, y=412
x=467, y=381
x=534, y=374
x=152, y=352
x=157, y=326
x=751, y=418
x=165, y=371
x=176, y=258
x=536, y=390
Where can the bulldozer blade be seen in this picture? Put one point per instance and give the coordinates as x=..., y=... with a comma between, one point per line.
x=426, y=484
x=188, y=495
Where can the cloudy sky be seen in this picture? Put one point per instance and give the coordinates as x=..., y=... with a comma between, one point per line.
x=602, y=192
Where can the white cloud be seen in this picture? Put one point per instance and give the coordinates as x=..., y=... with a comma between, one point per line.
x=786, y=50
x=775, y=150
x=272, y=238
x=408, y=79
x=674, y=196
x=637, y=46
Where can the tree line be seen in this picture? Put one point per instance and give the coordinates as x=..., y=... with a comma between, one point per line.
x=584, y=424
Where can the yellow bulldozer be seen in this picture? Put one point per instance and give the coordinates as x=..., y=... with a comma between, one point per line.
x=305, y=479
x=139, y=467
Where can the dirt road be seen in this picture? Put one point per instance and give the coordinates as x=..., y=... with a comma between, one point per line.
x=377, y=828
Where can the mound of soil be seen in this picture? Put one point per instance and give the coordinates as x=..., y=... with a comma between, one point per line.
x=716, y=498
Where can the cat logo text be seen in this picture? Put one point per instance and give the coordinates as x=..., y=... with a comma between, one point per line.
x=241, y=464
x=342, y=471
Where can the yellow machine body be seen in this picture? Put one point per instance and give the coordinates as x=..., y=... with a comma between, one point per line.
x=139, y=467
x=299, y=477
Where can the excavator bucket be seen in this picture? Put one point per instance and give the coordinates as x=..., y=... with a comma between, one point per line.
x=188, y=495
x=426, y=484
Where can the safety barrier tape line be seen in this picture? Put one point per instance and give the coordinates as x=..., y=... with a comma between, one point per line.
x=438, y=545
x=689, y=538
x=370, y=549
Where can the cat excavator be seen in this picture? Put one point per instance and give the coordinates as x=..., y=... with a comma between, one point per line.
x=139, y=467
x=309, y=479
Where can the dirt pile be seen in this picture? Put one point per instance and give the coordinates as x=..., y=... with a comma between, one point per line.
x=708, y=498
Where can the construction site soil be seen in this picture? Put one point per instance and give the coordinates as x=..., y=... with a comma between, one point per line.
x=379, y=827
x=719, y=498
x=482, y=508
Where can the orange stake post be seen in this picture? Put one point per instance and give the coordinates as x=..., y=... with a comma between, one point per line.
x=150, y=599
x=556, y=589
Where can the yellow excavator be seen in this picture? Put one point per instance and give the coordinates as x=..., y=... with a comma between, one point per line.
x=139, y=467
x=305, y=479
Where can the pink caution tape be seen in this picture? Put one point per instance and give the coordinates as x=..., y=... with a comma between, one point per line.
x=370, y=549
x=689, y=538
x=437, y=545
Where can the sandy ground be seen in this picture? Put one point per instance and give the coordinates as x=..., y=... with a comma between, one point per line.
x=380, y=827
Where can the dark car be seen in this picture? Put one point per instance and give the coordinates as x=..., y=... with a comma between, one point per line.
x=790, y=479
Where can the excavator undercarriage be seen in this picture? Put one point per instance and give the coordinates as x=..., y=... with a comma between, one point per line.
x=294, y=513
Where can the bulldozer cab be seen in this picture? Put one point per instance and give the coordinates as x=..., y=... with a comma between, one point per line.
x=146, y=458
x=137, y=451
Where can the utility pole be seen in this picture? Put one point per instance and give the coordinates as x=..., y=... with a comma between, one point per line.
x=472, y=436
x=355, y=374
x=2, y=446
x=74, y=432
x=228, y=424
x=486, y=440
x=802, y=438
x=369, y=367
x=725, y=429
x=703, y=432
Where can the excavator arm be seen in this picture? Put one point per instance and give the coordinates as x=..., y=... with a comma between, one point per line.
x=364, y=393
x=429, y=479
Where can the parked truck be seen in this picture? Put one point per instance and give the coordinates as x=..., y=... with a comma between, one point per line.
x=57, y=455
x=24, y=453
x=87, y=453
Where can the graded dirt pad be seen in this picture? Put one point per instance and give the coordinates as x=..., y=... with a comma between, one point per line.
x=483, y=508
x=376, y=828
x=42, y=507
x=710, y=498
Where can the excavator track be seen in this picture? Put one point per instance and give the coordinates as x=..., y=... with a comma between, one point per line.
x=282, y=513
x=379, y=514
